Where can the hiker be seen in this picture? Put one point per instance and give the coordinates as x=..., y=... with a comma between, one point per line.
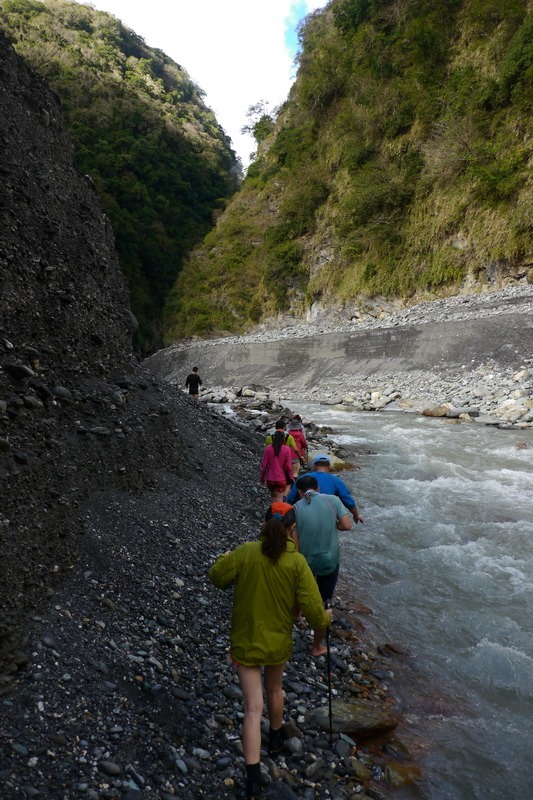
x=289, y=441
x=276, y=467
x=329, y=484
x=193, y=382
x=319, y=518
x=269, y=578
x=295, y=429
x=300, y=420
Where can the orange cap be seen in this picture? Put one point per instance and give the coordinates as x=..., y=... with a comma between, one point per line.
x=280, y=508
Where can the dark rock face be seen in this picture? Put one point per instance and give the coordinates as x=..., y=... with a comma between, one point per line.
x=60, y=286
x=77, y=414
x=62, y=301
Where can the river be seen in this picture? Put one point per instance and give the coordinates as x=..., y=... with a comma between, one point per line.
x=444, y=560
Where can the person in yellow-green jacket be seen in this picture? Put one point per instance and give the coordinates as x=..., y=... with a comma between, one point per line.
x=269, y=579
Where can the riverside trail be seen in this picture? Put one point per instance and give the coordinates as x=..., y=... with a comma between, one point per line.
x=114, y=489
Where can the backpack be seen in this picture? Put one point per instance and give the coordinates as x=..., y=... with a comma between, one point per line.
x=301, y=444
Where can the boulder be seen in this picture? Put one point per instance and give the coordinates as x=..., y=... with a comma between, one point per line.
x=359, y=719
x=412, y=405
x=456, y=413
x=436, y=411
x=336, y=462
x=402, y=774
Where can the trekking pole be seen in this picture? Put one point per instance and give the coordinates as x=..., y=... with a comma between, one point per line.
x=328, y=667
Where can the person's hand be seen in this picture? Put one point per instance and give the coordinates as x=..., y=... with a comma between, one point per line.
x=356, y=515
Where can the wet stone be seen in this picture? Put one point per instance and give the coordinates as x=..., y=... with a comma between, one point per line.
x=294, y=746
x=32, y=402
x=109, y=768
x=18, y=371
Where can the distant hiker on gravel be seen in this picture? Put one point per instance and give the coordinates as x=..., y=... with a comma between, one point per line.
x=319, y=517
x=269, y=578
x=290, y=442
x=295, y=429
x=276, y=467
x=328, y=484
x=193, y=382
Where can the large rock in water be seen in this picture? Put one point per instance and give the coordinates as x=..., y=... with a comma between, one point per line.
x=359, y=719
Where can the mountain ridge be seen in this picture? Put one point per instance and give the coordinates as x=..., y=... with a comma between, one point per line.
x=398, y=168
x=159, y=160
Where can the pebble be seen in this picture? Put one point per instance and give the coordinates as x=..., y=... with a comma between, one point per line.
x=109, y=768
x=18, y=371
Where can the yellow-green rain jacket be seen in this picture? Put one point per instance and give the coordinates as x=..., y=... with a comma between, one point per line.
x=264, y=598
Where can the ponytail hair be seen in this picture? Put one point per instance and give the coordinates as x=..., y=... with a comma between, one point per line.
x=274, y=535
x=278, y=438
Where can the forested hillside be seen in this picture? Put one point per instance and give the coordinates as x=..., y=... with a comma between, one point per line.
x=160, y=162
x=400, y=167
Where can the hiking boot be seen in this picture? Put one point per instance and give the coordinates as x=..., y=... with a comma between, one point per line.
x=252, y=790
x=275, y=743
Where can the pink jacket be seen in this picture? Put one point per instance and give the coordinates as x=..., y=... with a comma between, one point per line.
x=277, y=467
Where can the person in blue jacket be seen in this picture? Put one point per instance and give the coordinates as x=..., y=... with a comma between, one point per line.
x=328, y=484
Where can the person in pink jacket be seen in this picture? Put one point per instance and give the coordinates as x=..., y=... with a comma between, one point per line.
x=276, y=467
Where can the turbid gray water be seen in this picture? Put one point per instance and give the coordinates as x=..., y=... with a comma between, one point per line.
x=444, y=559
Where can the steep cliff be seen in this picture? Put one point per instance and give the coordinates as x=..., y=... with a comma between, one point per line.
x=77, y=414
x=399, y=167
x=161, y=164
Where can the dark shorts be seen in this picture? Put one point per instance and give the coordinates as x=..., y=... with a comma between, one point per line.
x=276, y=486
x=327, y=583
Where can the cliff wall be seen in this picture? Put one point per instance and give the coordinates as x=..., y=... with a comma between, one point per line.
x=77, y=413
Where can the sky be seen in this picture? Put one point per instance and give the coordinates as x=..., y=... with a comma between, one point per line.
x=238, y=51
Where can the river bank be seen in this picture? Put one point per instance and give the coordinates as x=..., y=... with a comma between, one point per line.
x=468, y=354
x=123, y=689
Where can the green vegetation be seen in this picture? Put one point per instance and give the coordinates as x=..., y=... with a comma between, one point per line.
x=400, y=165
x=160, y=162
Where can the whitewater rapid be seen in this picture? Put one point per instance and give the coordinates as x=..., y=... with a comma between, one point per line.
x=445, y=560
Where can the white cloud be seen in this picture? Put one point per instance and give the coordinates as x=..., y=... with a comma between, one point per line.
x=234, y=50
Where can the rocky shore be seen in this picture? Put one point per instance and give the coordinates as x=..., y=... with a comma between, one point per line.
x=466, y=356
x=117, y=492
x=124, y=689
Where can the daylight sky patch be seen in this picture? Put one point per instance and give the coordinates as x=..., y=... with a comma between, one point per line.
x=239, y=52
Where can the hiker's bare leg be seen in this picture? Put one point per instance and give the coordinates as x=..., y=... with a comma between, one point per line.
x=318, y=648
x=274, y=694
x=252, y=692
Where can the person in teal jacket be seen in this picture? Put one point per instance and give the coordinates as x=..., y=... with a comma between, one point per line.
x=269, y=579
